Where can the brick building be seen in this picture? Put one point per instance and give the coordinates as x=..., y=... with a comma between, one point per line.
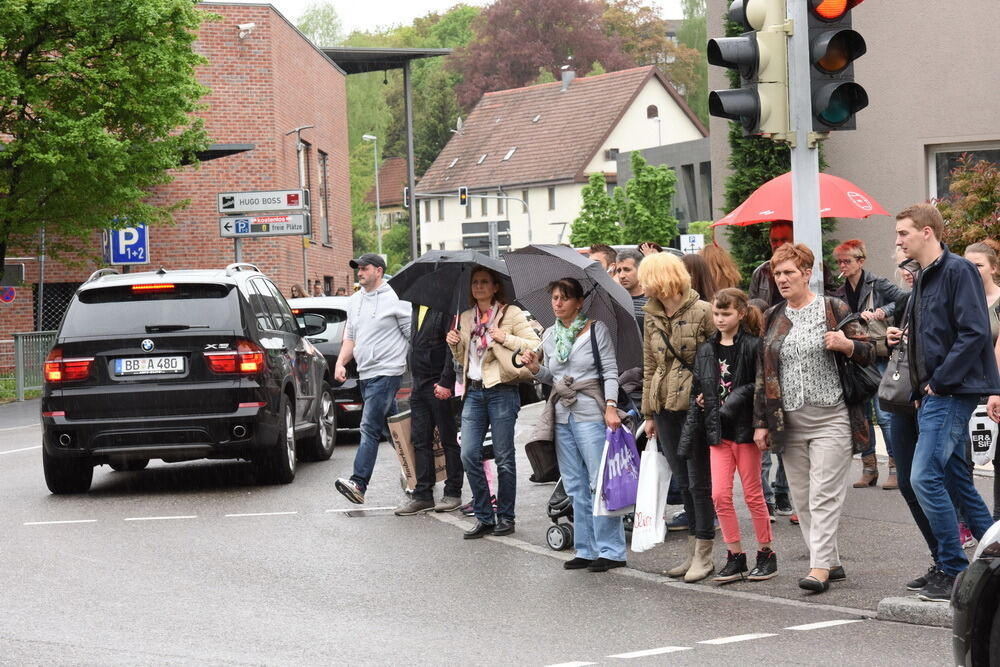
x=263, y=84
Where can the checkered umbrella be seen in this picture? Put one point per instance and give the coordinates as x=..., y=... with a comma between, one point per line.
x=534, y=267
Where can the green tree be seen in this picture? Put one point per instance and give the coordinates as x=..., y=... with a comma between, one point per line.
x=321, y=24
x=646, y=203
x=597, y=222
x=971, y=211
x=396, y=245
x=97, y=102
x=693, y=34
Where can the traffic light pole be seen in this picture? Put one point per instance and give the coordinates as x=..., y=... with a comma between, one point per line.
x=805, y=147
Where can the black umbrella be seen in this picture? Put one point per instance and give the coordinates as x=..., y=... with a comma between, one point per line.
x=534, y=267
x=439, y=279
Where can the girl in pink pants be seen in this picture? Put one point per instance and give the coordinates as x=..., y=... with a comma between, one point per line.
x=720, y=418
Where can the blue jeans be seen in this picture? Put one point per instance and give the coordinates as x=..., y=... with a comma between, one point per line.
x=780, y=481
x=579, y=446
x=494, y=408
x=943, y=422
x=885, y=419
x=379, y=396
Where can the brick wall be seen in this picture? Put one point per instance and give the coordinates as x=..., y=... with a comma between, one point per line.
x=262, y=86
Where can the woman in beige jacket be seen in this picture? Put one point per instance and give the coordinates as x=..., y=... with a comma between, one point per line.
x=490, y=335
x=677, y=322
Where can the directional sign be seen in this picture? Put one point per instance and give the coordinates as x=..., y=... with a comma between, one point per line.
x=129, y=245
x=271, y=200
x=294, y=224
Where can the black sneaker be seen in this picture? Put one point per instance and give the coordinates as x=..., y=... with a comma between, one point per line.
x=938, y=588
x=782, y=505
x=766, y=568
x=735, y=568
x=921, y=581
x=770, y=512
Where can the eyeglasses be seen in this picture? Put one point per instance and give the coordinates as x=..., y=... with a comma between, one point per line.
x=848, y=260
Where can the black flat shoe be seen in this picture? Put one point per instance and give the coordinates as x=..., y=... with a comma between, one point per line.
x=479, y=530
x=504, y=527
x=605, y=564
x=577, y=563
x=837, y=574
x=811, y=583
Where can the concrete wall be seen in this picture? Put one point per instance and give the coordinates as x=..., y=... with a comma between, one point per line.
x=932, y=82
x=691, y=161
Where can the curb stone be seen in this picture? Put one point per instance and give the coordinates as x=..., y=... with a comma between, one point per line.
x=915, y=611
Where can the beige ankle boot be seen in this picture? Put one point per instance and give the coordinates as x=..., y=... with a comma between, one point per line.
x=701, y=565
x=681, y=569
x=891, y=482
x=869, y=472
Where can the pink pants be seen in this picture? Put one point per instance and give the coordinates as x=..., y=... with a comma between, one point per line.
x=727, y=458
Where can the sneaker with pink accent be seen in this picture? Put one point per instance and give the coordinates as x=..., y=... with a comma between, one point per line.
x=965, y=537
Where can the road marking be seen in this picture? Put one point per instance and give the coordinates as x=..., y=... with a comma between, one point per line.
x=54, y=523
x=651, y=651
x=737, y=638
x=571, y=664
x=23, y=449
x=161, y=518
x=261, y=514
x=362, y=508
x=823, y=624
x=18, y=428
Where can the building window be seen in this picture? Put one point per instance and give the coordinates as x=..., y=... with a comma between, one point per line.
x=427, y=210
x=305, y=169
x=500, y=205
x=441, y=245
x=324, y=197
x=468, y=209
x=483, y=204
x=942, y=160
x=441, y=209
x=429, y=247
x=524, y=201
x=552, y=199
x=652, y=111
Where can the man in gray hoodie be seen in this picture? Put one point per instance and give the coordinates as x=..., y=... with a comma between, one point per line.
x=377, y=335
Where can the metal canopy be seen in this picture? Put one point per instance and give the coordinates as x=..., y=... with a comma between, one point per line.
x=371, y=59
x=223, y=150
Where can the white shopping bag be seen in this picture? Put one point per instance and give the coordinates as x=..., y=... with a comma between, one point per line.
x=654, y=481
x=983, y=433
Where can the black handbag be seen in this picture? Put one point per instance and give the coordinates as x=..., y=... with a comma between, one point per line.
x=860, y=383
x=895, y=392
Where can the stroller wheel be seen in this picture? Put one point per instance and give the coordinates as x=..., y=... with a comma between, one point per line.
x=567, y=529
x=555, y=537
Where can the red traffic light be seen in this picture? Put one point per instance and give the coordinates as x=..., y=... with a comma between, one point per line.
x=831, y=10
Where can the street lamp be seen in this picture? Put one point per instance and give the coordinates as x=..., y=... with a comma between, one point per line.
x=378, y=205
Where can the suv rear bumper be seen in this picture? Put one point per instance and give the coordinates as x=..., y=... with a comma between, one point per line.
x=237, y=434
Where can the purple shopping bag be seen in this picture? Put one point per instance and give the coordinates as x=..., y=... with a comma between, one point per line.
x=621, y=470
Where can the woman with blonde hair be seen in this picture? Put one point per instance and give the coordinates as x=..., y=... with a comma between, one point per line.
x=724, y=271
x=677, y=322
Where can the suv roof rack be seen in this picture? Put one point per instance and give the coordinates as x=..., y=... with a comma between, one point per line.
x=101, y=272
x=241, y=266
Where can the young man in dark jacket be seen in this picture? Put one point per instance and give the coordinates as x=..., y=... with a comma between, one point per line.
x=433, y=386
x=952, y=365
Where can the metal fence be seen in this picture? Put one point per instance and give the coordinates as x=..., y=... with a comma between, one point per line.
x=30, y=351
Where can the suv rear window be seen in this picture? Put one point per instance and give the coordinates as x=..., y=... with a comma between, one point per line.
x=124, y=310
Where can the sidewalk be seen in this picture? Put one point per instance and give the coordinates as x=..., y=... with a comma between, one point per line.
x=879, y=544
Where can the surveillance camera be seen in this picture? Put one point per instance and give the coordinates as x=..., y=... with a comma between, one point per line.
x=245, y=28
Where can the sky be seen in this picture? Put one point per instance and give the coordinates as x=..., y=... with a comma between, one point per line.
x=378, y=13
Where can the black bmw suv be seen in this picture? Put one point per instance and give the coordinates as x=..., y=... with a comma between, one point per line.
x=182, y=365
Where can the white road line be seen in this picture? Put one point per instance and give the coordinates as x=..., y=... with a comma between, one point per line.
x=161, y=518
x=18, y=428
x=823, y=624
x=23, y=449
x=651, y=651
x=261, y=514
x=54, y=523
x=737, y=638
x=571, y=664
x=362, y=508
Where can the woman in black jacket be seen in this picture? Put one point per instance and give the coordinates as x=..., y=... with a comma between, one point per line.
x=721, y=418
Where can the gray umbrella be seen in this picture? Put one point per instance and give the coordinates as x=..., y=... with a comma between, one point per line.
x=439, y=279
x=533, y=267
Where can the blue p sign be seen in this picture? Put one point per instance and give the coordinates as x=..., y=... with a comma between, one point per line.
x=129, y=245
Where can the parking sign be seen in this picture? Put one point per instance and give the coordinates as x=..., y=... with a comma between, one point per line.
x=129, y=245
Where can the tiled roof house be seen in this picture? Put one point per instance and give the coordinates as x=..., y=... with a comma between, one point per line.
x=391, y=181
x=539, y=144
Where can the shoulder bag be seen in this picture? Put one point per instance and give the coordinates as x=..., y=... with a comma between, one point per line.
x=512, y=370
x=876, y=330
x=895, y=391
x=859, y=382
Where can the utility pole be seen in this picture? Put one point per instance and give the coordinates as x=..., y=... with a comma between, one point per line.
x=378, y=202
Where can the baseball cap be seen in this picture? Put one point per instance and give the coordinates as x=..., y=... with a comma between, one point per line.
x=368, y=258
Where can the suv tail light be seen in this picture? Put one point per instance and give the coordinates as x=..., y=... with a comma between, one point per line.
x=58, y=369
x=247, y=359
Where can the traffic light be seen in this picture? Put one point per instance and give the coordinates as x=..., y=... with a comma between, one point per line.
x=463, y=196
x=833, y=48
x=760, y=55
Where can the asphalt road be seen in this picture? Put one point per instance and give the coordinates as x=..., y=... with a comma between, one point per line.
x=195, y=564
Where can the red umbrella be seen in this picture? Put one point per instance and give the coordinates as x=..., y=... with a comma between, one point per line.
x=838, y=198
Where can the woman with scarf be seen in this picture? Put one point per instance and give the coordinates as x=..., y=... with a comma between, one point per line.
x=488, y=329
x=580, y=408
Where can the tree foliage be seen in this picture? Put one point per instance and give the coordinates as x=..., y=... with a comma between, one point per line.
x=598, y=220
x=396, y=245
x=645, y=205
x=321, y=24
x=513, y=38
x=971, y=210
x=96, y=104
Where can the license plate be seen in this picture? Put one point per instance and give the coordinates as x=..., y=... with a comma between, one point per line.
x=148, y=365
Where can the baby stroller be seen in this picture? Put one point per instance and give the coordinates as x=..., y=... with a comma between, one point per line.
x=559, y=536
